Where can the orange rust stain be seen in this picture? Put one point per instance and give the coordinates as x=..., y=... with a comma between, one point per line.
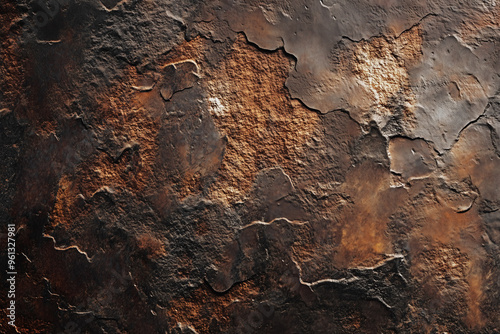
x=249, y=104
x=441, y=263
x=471, y=158
x=119, y=111
x=150, y=246
x=475, y=318
x=467, y=87
x=194, y=51
x=252, y=107
x=132, y=115
x=364, y=240
x=479, y=21
x=434, y=266
x=190, y=311
x=98, y=171
x=442, y=225
x=64, y=206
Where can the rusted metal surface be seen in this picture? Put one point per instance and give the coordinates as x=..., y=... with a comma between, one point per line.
x=251, y=166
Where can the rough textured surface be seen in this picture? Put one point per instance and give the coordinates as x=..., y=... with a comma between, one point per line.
x=251, y=166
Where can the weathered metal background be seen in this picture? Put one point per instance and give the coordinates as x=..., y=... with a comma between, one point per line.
x=251, y=166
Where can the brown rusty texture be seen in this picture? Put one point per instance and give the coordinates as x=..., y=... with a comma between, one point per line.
x=251, y=166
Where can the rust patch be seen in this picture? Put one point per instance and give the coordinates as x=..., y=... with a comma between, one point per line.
x=480, y=21
x=474, y=157
x=149, y=246
x=252, y=107
x=380, y=67
x=189, y=310
x=465, y=87
x=475, y=318
x=445, y=225
x=442, y=225
x=131, y=167
x=364, y=240
x=11, y=71
x=442, y=263
x=437, y=269
x=189, y=50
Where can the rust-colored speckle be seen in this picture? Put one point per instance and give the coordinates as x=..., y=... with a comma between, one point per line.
x=380, y=67
x=363, y=237
x=189, y=309
x=150, y=246
x=252, y=107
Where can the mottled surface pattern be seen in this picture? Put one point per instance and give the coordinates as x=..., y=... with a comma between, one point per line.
x=251, y=166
